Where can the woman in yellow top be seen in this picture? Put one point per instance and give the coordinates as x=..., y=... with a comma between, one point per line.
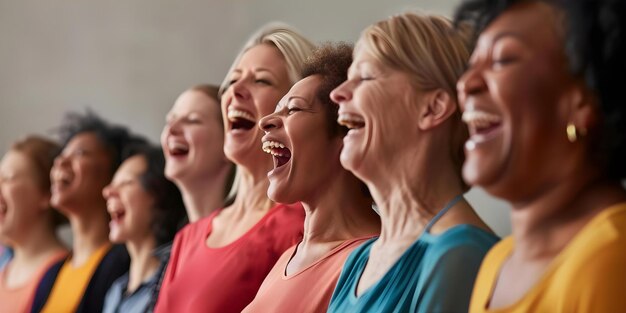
x=543, y=102
x=92, y=151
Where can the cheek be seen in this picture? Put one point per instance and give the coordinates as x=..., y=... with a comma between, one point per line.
x=266, y=104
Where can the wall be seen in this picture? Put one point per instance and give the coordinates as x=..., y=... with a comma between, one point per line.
x=128, y=60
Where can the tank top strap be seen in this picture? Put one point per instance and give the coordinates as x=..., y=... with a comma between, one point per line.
x=445, y=209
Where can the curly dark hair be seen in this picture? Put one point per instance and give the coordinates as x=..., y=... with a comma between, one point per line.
x=169, y=210
x=595, y=47
x=331, y=63
x=114, y=137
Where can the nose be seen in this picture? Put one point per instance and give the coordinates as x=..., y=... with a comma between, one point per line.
x=471, y=83
x=108, y=191
x=269, y=122
x=60, y=160
x=342, y=93
x=240, y=89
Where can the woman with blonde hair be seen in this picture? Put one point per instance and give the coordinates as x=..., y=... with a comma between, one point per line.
x=27, y=221
x=406, y=143
x=219, y=262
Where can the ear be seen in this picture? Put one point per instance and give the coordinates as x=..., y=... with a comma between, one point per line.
x=582, y=107
x=435, y=108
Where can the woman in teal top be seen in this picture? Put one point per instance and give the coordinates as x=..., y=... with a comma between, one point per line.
x=406, y=142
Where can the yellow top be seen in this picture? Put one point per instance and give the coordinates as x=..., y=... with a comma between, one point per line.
x=589, y=275
x=71, y=283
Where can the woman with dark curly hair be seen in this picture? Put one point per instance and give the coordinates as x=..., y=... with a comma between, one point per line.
x=146, y=211
x=304, y=139
x=92, y=151
x=543, y=99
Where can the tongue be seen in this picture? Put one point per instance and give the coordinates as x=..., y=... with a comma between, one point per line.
x=283, y=157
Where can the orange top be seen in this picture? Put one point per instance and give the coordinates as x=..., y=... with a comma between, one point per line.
x=71, y=283
x=588, y=275
x=308, y=290
x=19, y=300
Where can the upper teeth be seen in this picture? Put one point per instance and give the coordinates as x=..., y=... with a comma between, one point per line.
x=176, y=146
x=480, y=118
x=234, y=113
x=268, y=145
x=349, y=120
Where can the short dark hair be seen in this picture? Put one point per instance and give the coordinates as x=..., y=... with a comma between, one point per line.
x=595, y=46
x=169, y=210
x=331, y=63
x=114, y=137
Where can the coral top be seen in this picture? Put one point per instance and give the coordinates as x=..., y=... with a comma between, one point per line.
x=588, y=275
x=20, y=299
x=225, y=279
x=308, y=290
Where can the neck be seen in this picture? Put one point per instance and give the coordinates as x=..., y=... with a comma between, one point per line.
x=39, y=240
x=544, y=225
x=408, y=200
x=251, y=193
x=204, y=196
x=90, y=229
x=143, y=261
x=338, y=212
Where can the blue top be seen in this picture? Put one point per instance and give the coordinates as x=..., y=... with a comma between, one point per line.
x=117, y=301
x=5, y=256
x=435, y=274
x=144, y=297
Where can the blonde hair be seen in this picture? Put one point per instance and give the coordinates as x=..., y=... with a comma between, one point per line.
x=432, y=51
x=294, y=47
x=427, y=47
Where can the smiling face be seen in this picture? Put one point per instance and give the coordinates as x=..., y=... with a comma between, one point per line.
x=515, y=99
x=297, y=136
x=128, y=203
x=193, y=137
x=80, y=172
x=380, y=107
x=256, y=84
x=22, y=201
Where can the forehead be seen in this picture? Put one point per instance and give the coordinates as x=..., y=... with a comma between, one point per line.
x=263, y=56
x=85, y=140
x=305, y=89
x=194, y=101
x=535, y=23
x=15, y=161
x=133, y=166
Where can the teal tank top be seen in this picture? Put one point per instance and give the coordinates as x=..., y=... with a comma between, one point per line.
x=435, y=274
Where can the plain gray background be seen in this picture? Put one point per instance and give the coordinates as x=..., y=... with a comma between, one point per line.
x=129, y=60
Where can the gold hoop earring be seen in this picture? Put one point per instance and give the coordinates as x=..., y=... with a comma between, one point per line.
x=573, y=133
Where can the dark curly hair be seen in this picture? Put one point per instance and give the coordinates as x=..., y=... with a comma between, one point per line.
x=595, y=45
x=169, y=210
x=114, y=137
x=331, y=63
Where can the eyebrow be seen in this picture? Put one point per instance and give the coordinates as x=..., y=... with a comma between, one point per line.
x=505, y=34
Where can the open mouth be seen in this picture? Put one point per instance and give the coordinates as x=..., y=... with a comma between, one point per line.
x=177, y=149
x=61, y=179
x=280, y=154
x=241, y=120
x=351, y=121
x=482, y=126
x=117, y=215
